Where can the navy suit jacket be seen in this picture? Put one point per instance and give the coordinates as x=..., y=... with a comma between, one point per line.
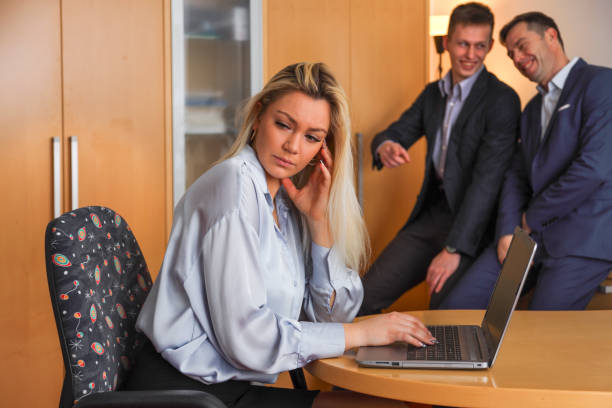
x=479, y=152
x=564, y=183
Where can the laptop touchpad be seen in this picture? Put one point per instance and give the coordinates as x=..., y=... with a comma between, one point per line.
x=393, y=352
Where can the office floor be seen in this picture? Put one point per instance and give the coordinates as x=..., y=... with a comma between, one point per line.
x=315, y=384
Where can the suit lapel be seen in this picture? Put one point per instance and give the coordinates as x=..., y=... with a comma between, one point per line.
x=439, y=104
x=534, y=126
x=477, y=92
x=567, y=87
x=473, y=100
x=531, y=135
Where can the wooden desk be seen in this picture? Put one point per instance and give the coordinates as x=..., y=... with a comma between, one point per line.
x=547, y=359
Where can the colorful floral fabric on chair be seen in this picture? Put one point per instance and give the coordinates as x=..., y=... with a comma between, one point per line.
x=98, y=280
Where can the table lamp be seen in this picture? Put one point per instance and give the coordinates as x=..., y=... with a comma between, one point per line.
x=438, y=26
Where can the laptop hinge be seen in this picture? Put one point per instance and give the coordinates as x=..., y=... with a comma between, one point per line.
x=486, y=343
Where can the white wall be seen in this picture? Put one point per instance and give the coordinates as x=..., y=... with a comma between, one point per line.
x=586, y=29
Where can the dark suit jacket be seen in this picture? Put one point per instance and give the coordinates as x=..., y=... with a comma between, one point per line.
x=479, y=151
x=565, y=182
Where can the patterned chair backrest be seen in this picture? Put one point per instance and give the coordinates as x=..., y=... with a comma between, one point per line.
x=98, y=281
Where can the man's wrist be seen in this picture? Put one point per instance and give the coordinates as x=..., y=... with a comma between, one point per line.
x=450, y=249
x=377, y=153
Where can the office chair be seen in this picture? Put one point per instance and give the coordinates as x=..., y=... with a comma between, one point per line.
x=98, y=280
x=297, y=379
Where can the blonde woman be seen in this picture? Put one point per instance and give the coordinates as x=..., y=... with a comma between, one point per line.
x=270, y=235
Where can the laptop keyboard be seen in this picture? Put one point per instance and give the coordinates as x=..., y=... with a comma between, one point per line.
x=447, y=349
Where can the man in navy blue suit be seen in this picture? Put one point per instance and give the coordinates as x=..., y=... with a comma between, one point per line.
x=559, y=186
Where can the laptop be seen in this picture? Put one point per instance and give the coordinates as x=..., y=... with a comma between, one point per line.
x=465, y=347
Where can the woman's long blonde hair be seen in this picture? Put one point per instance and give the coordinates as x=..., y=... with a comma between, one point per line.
x=345, y=217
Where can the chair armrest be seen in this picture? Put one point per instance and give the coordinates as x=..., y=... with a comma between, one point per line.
x=151, y=399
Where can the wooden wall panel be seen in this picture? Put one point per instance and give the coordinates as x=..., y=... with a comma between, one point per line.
x=315, y=31
x=388, y=71
x=377, y=51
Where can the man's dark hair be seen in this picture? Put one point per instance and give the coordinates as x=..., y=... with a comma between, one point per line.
x=469, y=14
x=536, y=21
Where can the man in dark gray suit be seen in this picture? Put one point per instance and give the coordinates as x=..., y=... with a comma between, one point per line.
x=469, y=119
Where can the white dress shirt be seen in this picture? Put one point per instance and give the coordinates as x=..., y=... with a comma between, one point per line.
x=233, y=284
x=455, y=98
x=550, y=96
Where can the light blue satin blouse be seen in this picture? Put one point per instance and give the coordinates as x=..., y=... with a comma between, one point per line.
x=232, y=285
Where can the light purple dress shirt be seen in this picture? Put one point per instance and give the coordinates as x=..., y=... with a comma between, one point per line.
x=227, y=301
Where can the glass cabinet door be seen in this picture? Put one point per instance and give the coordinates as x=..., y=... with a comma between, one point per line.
x=217, y=56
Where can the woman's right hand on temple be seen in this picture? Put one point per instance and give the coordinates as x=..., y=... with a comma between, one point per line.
x=386, y=329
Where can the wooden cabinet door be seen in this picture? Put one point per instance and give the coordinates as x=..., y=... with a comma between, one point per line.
x=30, y=116
x=114, y=103
x=97, y=70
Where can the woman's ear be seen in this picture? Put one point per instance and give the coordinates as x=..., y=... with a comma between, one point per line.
x=257, y=111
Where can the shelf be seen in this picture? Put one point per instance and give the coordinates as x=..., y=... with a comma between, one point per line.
x=206, y=130
x=194, y=36
x=215, y=37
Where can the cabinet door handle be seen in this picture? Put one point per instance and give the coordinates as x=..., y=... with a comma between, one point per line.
x=74, y=167
x=360, y=169
x=57, y=178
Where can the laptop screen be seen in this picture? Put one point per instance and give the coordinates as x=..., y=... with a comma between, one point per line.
x=509, y=283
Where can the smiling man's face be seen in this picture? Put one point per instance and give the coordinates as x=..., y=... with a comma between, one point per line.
x=467, y=46
x=532, y=53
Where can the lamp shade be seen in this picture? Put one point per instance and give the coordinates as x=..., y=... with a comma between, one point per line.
x=438, y=25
